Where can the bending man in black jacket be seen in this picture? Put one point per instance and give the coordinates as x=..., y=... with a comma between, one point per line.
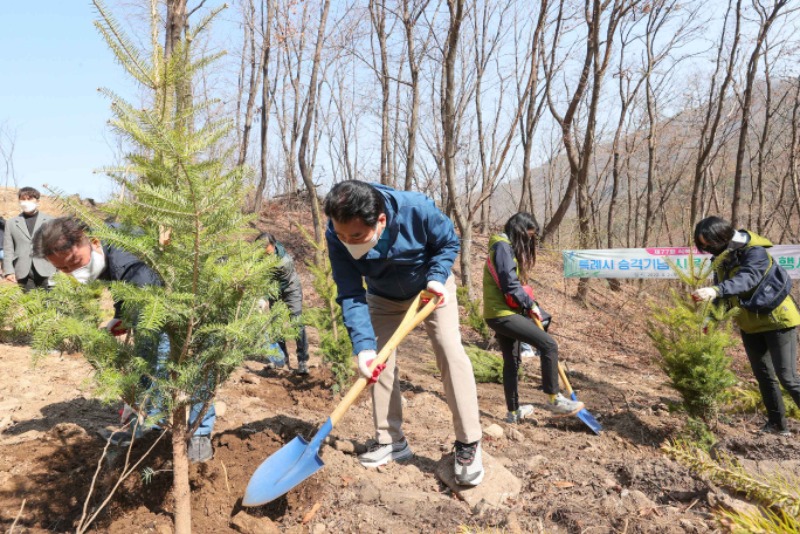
x=64, y=243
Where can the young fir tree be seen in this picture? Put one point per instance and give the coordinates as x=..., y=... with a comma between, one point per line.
x=692, y=338
x=334, y=343
x=182, y=216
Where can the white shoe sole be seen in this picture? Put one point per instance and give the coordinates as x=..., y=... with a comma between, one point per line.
x=473, y=482
x=394, y=456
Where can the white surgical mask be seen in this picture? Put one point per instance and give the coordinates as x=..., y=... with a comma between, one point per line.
x=359, y=250
x=91, y=271
x=28, y=206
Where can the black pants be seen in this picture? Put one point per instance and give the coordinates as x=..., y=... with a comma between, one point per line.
x=773, y=358
x=33, y=281
x=294, y=301
x=510, y=331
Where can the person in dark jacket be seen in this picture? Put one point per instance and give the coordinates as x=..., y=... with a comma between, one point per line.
x=66, y=245
x=512, y=255
x=2, y=236
x=291, y=292
x=770, y=339
x=386, y=246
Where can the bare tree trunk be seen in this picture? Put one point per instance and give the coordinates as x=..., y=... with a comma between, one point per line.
x=565, y=122
x=626, y=96
x=793, y=150
x=456, y=9
x=302, y=155
x=255, y=65
x=240, y=81
x=714, y=112
x=176, y=25
x=752, y=66
x=266, y=104
x=762, y=155
x=410, y=18
x=8, y=141
x=181, y=491
x=533, y=112
x=377, y=13
x=651, y=134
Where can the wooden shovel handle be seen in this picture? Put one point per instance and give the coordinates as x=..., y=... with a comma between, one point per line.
x=564, y=379
x=413, y=317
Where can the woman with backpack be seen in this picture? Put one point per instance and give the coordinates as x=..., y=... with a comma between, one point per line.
x=510, y=310
x=749, y=279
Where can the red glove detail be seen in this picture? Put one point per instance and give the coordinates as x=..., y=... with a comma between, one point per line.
x=376, y=373
x=118, y=330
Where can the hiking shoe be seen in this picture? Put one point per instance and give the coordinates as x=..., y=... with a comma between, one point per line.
x=769, y=428
x=518, y=415
x=381, y=454
x=468, y=464
x=123, y=438
x=562, y=406
x=200, y=449
x=302, y=368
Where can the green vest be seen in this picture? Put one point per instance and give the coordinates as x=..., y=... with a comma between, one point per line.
x=494, y=301
x=785, y=315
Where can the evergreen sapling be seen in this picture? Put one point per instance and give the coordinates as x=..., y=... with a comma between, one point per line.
x=334, y=341
x=692, y=339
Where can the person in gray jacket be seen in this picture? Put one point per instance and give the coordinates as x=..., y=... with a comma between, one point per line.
x=19, y=265
x=291, y=292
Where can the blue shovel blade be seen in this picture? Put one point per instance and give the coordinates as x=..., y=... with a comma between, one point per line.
x=285, y=469
x=588, y=418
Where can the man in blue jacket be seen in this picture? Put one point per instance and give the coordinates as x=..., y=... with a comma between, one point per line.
x=400, y=243
x=64, y=243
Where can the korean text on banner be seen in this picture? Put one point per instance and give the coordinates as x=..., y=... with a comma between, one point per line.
x=650, y=262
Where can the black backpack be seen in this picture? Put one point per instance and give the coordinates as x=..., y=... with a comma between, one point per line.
x=770, y=292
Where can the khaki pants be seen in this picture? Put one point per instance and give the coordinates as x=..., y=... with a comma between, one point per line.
x=451, y=359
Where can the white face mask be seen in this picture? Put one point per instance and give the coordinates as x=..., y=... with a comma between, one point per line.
x=28, y=206
x=359, y=250
x=91, y=271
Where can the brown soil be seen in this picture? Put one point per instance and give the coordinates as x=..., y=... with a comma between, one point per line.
x=573, y=481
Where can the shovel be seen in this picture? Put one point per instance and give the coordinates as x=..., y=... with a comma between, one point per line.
x=584, y=414
x=299, y=459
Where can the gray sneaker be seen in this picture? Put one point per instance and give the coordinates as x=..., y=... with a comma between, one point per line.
x=769, y=428
x=518, y=415
x=468, y=463
x=381, y=454
x=200, y=449
x=563, y=406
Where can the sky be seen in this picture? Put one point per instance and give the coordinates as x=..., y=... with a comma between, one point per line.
x=52, y=64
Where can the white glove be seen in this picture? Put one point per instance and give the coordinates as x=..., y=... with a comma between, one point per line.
x=536, y=312
x=705, y=294
x=437, y=288
x=125, y=413
x=115, y=328
x=365, y=358
x=262, y=305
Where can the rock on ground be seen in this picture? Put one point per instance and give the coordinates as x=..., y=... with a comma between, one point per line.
x=494, y=431
x=248, y=524
x=497, y=487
